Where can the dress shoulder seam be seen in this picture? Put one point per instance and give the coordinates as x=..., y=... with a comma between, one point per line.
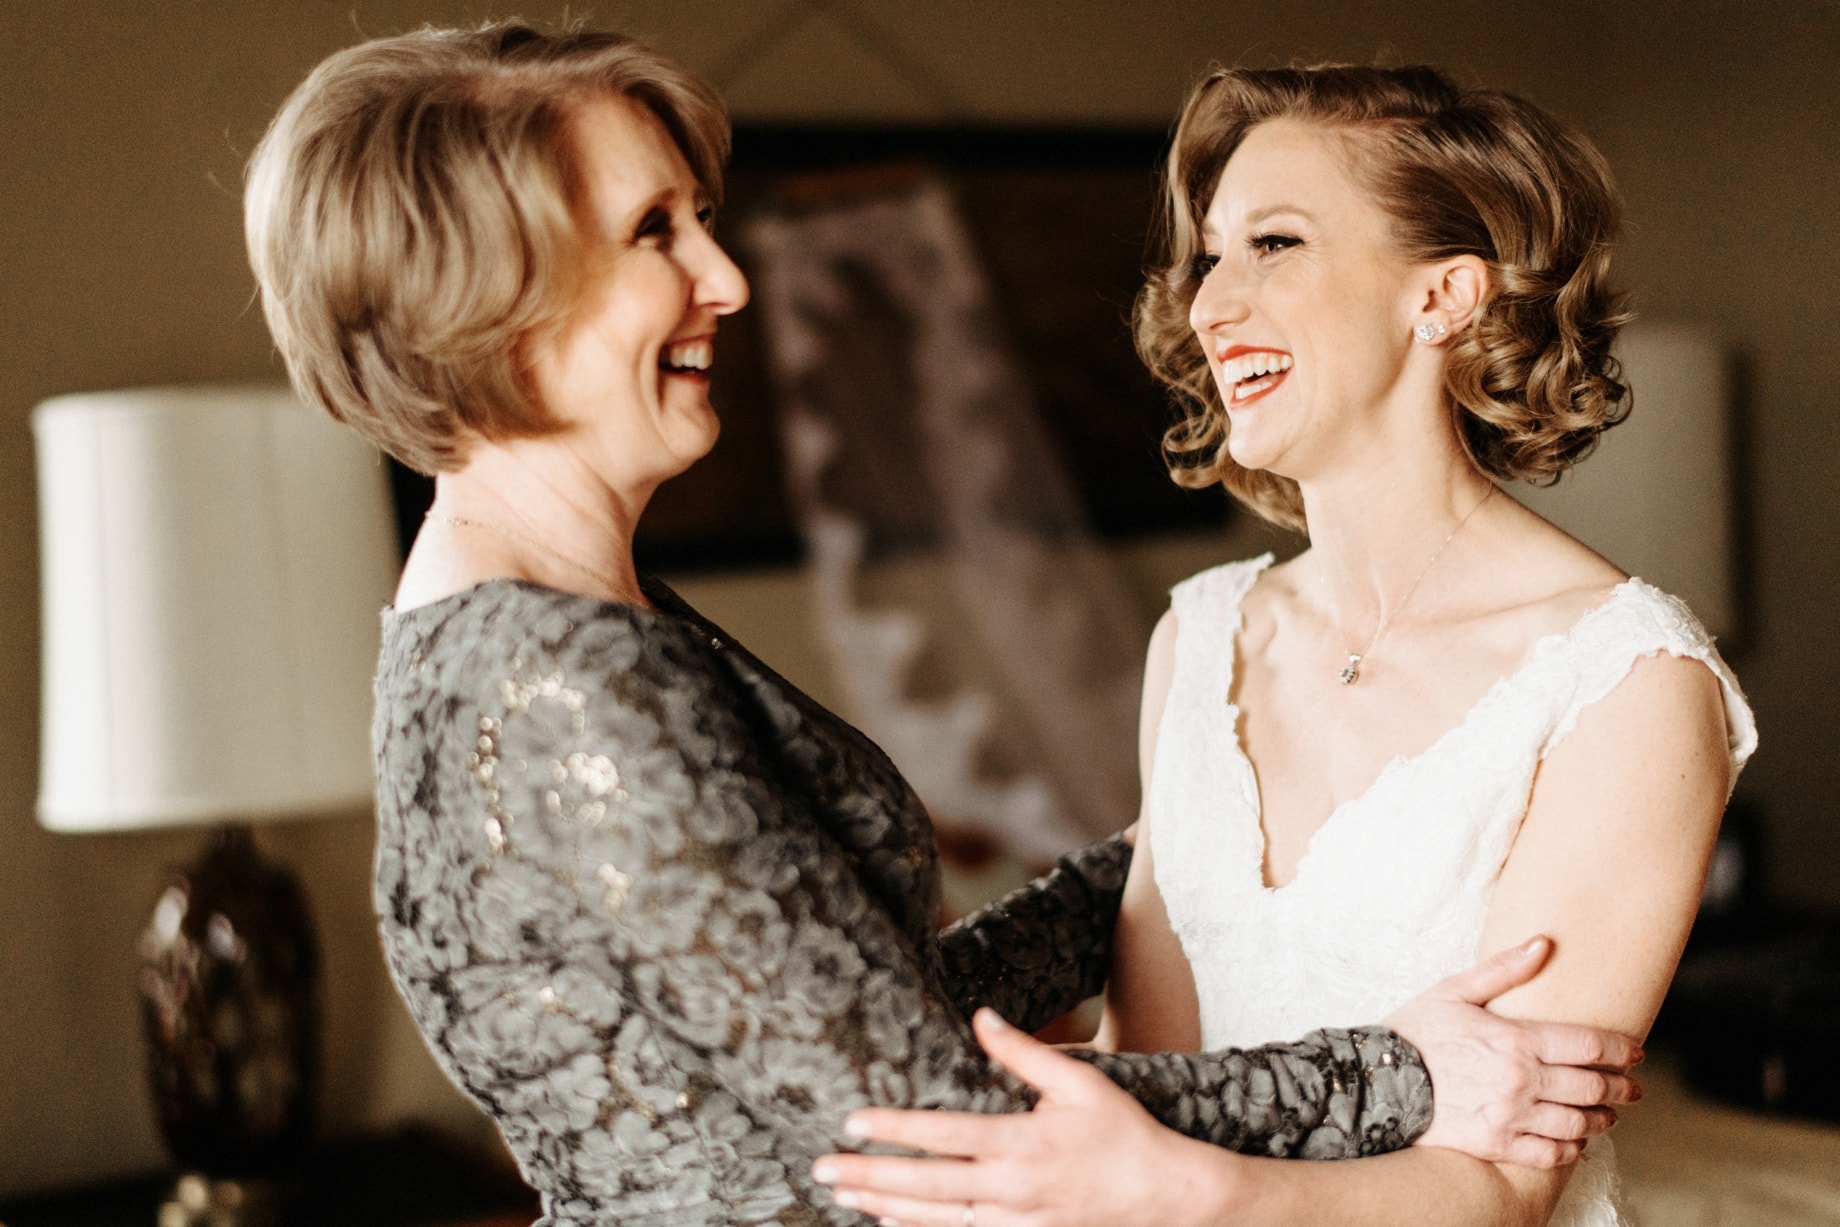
x=1639, y=622
x=1215, y=594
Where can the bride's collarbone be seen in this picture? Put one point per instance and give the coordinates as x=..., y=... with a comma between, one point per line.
x=1425, y=678
x=1316, y=744
x=1442, y=654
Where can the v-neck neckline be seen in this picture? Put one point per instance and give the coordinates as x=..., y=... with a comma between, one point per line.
x=1538, y=651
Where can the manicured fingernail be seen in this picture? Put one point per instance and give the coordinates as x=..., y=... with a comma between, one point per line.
x=992, y=1019
x=1534, y=943
x=855, y=1128
x=1635, y=1091
x=846, y=1199
x=824, y=1173
x=888, y=1222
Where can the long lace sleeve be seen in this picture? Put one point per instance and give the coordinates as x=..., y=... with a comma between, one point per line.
x=1334, y=1094
x=1040, y=950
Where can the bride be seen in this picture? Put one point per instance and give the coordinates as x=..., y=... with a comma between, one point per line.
x=1443, y=727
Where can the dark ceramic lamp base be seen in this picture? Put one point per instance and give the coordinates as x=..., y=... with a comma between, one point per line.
x=197, y=1200
x=230, y=1000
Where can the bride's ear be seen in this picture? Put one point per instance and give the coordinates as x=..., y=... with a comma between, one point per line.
x=1454, y=292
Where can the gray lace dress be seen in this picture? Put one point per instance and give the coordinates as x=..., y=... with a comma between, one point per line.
x=668, y=920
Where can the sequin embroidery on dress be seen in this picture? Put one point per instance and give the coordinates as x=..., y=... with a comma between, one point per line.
x=667, y=921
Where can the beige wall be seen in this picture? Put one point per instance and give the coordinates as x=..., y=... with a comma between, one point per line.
x=123, y=127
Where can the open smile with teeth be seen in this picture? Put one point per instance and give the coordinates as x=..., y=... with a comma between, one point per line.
x=687, y=357
x=1255, y=372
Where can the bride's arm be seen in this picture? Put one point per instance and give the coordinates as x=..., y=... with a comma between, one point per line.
x=1150, y=1003
x=1610, y=860
x=1489, y=1075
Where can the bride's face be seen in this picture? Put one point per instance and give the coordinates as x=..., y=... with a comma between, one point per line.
x=1305, y=309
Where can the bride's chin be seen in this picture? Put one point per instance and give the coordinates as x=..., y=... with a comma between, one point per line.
x=1257, y=447
x=1247, y=454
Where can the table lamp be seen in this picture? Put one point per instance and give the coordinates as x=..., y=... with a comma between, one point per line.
x=213, y=562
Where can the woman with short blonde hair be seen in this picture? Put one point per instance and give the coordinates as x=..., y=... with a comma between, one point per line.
x=416, y=212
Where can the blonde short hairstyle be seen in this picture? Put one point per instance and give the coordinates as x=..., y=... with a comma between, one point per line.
x=415, y=212
x=1531, y=383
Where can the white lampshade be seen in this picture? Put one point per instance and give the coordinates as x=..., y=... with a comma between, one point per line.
x=213, y=563
x=1655, y=498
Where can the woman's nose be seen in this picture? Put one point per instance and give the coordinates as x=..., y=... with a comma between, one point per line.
x=1218, y=302
x=720, y=284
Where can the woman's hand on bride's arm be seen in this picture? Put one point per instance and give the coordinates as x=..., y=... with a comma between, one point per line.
x=1510, y=1090
x=1087, y=1154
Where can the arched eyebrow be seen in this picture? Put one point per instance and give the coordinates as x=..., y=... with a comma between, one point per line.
x=1258, y=216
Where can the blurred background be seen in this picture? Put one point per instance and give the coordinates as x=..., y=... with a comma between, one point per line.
x=124, y=128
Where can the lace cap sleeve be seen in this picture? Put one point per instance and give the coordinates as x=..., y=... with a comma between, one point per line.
x=1209, y=600
x=1637, y=621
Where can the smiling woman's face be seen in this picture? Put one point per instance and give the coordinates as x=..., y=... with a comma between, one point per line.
x=629, y=372
x=1304, y=312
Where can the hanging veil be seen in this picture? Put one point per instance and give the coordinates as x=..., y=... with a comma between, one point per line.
x=975, y=628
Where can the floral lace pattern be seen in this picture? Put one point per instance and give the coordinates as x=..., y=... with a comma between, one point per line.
x=668, y=921
x=1392, y=892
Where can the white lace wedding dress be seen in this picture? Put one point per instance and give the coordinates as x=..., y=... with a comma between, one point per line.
x=1391, y=894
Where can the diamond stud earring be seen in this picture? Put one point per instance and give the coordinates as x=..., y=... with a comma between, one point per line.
x=1429, y=332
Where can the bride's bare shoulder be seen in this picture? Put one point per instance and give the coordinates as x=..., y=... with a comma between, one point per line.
x=1547, y=577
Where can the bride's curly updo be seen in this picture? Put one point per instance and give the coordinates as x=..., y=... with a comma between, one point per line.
x=1531, y=383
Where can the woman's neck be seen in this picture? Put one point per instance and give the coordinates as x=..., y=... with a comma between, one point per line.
x=1375, y=531
x=525, y=509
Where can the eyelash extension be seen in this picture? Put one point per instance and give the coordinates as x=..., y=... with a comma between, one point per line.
x=1261, y=243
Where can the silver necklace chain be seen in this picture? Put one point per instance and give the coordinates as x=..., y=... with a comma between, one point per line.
x=613, y=585
x=1350, y=673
